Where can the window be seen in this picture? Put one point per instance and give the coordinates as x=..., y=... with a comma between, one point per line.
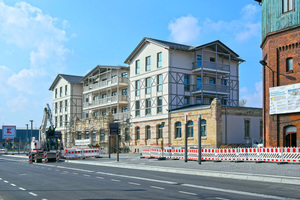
x=211, y=59
x=94, y=136
x=114, y=93
x=137, y=108
x=137, y=66
x=289, y=64
x=148, y=132
x=60, y=106
x=159, y=131
x=287, y=6
x=79, y=136
x=159, y=60
x=124, y=109
x=125, y=74
x=60, y=121
x=55, y=122
x=102, y=135
x=148, y=86
x=66, y=89
x=60, y=92
x=113, y=76
x=223, y=82
x=95, y=114
x=198, y=82
x=199, y=101
x=159, y=105
x=127, y=134
x=186, y=82
x=159, y=83
x=224, y=101
x=190, y=129
x=104, y=96
x=56, y=107
x=87, y=135
x=137, y=133
x=261, y=129
x=178, y=130
x=203, y=127
x=148, y=106
x=137, y=88
x=199, y=58
x=95, y=98
x=124, y=92
x=114, y=110
x=212, y=80
x=66, y=105
x=186, y=100
x=104, y=112
x=247, y=128
x=56, y=93
x=148, y=63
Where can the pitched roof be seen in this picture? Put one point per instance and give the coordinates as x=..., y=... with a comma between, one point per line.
x=70, y=78
x=103, y=67
x=182, y=47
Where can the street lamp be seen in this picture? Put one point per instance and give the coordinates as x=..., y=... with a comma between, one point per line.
x=26, y=141
x=31, y=121
x=265, y=64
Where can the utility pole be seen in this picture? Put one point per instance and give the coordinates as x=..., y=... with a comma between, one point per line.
x=26, y=141
x=31, y=121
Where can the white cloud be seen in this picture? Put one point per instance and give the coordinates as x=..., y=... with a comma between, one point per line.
x=17, y=103
x=184, y=29
x=28, y=27
x=254, y=98
x=247, y=25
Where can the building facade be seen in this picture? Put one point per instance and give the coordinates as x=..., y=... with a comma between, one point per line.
x=165, y=76
x=67, y=104
x=281, y=50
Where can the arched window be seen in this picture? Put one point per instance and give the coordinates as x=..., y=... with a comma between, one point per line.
x=137, y=133
x=127, y=134
x=290, y=135
x=159, y=131
x=178, y=130
x=190, y=129
x=148, y=132
x=203, y=127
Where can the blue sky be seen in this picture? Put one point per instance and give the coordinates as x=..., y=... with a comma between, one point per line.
x=39, y=39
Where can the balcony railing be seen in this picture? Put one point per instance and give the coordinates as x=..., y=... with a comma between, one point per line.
x=121, y=116
x=211, y=65
x=210, y=88
x=106, y=101
x=107, y=83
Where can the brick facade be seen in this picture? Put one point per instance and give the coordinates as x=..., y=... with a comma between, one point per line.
x=277, y=47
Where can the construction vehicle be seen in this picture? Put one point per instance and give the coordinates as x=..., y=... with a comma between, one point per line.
x=49, y=140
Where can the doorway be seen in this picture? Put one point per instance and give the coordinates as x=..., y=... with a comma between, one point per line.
x=290, y=136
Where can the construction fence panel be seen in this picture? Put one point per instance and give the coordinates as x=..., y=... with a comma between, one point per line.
x=146, y=152
x=155, y=152
x=167, y=152
x=178, y=153
x=3, y=151
x=291, y=155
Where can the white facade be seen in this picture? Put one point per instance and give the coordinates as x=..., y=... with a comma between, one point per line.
x=185, y=79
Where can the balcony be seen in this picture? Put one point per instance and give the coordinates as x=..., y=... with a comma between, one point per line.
x=104, y=84
x=121, y=99
x=210, y=88
x=121, y=116
x=210, y=66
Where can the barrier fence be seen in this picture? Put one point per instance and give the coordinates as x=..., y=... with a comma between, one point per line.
x=284, y=154
x=82, y=153
x=3, y=151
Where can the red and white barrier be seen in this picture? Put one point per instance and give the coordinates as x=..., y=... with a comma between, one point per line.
x=83, y=153
x=232, y=154
x=3, y=151
x=30, y=157
x=57, y=156
x=45, y=156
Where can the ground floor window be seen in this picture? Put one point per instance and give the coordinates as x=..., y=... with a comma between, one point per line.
x=290, y=133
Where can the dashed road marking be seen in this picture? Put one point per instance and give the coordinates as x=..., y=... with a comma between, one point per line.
x=221, y=198
x=155, y=187
x=5, y=181
x=86, y=175
x=13, y=185
x=22, y=188
x=134, y=183
x=75, y=173
x=33, y=194
x=115, y=180
x=189, y=193
x=100, y=177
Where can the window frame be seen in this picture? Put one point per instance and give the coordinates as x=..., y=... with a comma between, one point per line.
x=288, y=69
x=148, y=63
x=159, y=131
x=288, y=4
x=137, y=67
x=137, y=88
x=187, y=82
x=148, y=132
x=137, y=133
x=203, y=128
x=178, y=130
x=148, y=85
x=137, y=108
x=247, y=128
x=159, y=105
x=148, y=106
x=159, y=82
x=190, y=128
x=159, y=60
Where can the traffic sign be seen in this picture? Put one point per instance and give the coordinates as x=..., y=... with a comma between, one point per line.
x=162, y=124
x=114, y=128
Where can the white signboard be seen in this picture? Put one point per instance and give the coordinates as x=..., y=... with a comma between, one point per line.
x=8, y=132
x=285, y=99
x=82, y=142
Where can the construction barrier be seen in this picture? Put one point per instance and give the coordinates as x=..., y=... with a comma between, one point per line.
x=57, y=156
x=285, y=154
x=45, y=157
x=82, y=153
x=4, y=151
x=30, y=157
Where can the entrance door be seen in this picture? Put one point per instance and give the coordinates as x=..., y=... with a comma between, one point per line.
x=290, y=136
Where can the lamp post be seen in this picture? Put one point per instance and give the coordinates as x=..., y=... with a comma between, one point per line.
x=265, y=64
x=26, y=141
x=31, y=121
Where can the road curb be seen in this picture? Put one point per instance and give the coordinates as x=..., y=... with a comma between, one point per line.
x=229, y=175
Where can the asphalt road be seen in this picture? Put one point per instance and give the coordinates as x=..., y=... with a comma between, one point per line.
x=63, y=180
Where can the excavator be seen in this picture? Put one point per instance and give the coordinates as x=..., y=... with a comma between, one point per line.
x=49, y=140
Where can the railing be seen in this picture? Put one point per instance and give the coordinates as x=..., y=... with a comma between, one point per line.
x=120, y=116
x=106, y=83
x=105, y=101
x=210, y=87
x=211, y=65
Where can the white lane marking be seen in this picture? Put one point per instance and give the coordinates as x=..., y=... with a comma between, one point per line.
x=221, y=198
x=0, y=179
x=134, y=183
x=75, y=173
x=82, y=170
x=100, y=177
x=57, y=170
x=155, y=187
x=44, y=199
x=189, y=193
x=5, y=181
x=235, y=192
x=33, y=194
x=86, y=175
x=115, y=180
x=22, y=188
x=13, y=185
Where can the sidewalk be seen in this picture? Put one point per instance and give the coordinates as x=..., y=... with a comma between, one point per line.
x=266, y=172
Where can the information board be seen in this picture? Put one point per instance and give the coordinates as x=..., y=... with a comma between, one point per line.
x=8, y=132
x=285, y=99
